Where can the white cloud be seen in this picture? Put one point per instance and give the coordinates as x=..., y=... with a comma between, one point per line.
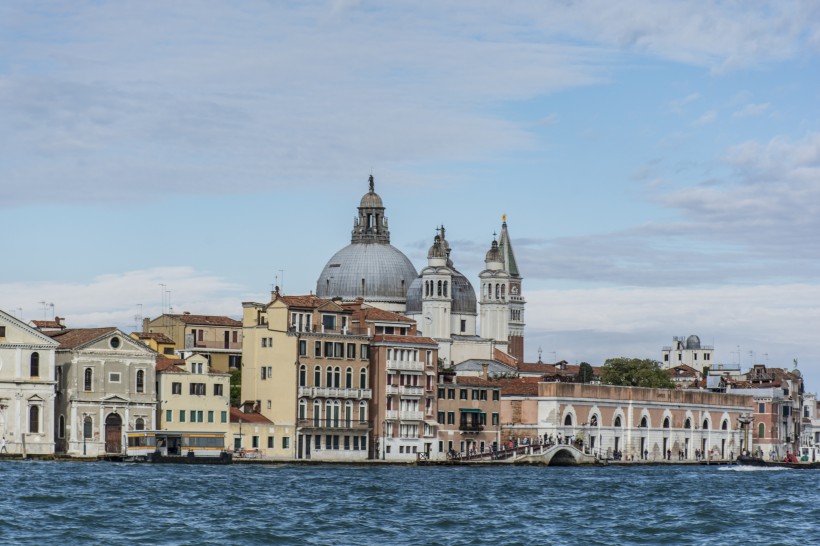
x=752, y=110
x=114, y=299
x=706, y=119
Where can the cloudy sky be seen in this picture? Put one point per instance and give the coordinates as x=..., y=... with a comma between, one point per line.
x=658, y=162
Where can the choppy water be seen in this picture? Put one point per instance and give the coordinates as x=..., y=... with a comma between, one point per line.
x=95, y=503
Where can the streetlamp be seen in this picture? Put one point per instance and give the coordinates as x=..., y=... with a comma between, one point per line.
x=384, y=438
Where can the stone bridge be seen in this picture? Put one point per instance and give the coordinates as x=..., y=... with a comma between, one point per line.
x=557, y=455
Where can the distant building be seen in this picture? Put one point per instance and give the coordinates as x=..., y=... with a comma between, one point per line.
x=157, y=341
x=217, y=337
x=688, y=351
x=106, y=386
x=469, y=415
x=27, y=381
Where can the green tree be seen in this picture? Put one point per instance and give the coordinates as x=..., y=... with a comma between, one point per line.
x=236, y=387
x=634, y=372
x=585, y=374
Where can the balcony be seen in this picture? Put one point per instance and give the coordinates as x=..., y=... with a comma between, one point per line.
x=470, y=427
x=408, y=390
x=325, y=392
x=411, y=416
x=405, y=365
x=334, y=424
x=392, y=389
x=391, y=415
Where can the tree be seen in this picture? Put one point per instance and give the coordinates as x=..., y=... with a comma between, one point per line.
x=236, y=387
x=585, y=374
x=634, y=372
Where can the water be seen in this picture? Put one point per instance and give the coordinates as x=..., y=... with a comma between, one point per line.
x=96, y=503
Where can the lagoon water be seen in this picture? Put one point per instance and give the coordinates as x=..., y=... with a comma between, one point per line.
x=97, y=503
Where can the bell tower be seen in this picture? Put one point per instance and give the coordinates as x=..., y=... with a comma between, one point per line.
x=515, y=295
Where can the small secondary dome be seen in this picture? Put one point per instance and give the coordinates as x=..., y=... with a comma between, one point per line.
x=693, y=342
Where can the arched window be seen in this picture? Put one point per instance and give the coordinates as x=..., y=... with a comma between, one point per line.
x=618, y=421
x=687, y=423
x=140, y=381
x=568, y=420
x=329, y=377
x=363, y=378
x=348, y=413
x=140, y=424
x=337, y=377
x=317, y=376
x=761, y=430
x=497, y=291
x=644, y=423
x=503, y=290
x=302, y=375
x=35, y=365
x=34, y=419
x=362, y=411
x=666, y=423
x=445, y=289
x=302, y=409
x=439, y=288
x=349, y=378
x=89, y=379
x=593, y=421
x=329, y=413
x=706, y=424
x=317, y=413
x=724, y=425
x=88, y=427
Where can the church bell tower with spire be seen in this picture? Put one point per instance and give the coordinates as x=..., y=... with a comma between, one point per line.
x=516, y=299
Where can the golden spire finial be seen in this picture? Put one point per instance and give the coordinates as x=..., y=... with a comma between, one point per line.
x=503, y=217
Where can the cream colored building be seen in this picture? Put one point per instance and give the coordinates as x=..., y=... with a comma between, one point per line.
x=106, y=385
x=27, y=359
x=217, y=337
x=192, y=396
x=639, y=422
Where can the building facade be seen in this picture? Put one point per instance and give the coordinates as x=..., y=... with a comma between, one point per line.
x=468, y=415
x=217, y=337
x=687, y=351
x=106, y=386
x=27, y=380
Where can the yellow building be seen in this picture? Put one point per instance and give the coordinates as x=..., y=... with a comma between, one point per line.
x=192, y=396
x=217, y=337
x=157, y=341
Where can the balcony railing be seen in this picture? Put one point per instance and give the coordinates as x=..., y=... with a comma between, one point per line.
x=470, y=427
x=392, y=389
x=411, y=391
x=326, y=392
x=338, y=424
x=391, y=415
x=405, y=365
x=411, y=416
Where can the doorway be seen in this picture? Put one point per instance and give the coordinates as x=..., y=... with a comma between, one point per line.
x=113, y=433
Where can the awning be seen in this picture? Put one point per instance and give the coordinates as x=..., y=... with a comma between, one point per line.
x=470, y=410
x=430, y=422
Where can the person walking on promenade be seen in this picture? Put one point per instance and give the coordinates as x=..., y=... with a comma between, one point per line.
x=3, y=445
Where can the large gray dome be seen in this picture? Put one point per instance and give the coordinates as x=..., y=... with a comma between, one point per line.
x=464, y=301
x=373, y=271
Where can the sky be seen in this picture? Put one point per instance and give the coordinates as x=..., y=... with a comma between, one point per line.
x=658, y=161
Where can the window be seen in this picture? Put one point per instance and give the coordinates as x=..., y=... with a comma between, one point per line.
x=87, y=428
x=169, y=416
x=35, y=364
x=139, y=424
x=351, y=350
x=302, y=409
x=349, y=378
x=495, y=419
x=317, y=349
x=364, y=352
x=475, y=394
x=182, y=416
x=234, y=361
x=141, y=381
x=363, y=378
x=2, y=331
x=441, y=417
x=218, y=389
x=263, y=373
x=270, y=442
x=198, y=389
x=176, y=388
x=255, y=442
x=451, y=394
x=210, y=416
x=761, y=407
x=451, y=418
x=223, y=417
x=462, y=394
x=761, y=430
x=302, y=347
x=285, y=442
x=329, y=322
x=441, y=393
x=337, y=377
x=302, y=375
x=666, y=358
x=463, y=325
x=496, y=394
x=88, y=379
x=329, y=377
x=34, y=419
x=328, y=349
x=317, y=376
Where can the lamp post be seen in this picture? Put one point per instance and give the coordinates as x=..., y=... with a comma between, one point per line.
x=384, y=438
x=241, y=442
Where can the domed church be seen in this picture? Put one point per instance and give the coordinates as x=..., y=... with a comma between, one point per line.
x=369, y=267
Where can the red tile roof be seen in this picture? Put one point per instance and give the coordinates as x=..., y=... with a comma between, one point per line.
x=51, y=324
x=520, y=386
x=473, y=381
x=170, y=365
x=237, y=414
x=159, y=337
x=504, y=358
x=367, y=313
x=404, y=339
x=310, y=301
x=75, y=337
x=207, y=320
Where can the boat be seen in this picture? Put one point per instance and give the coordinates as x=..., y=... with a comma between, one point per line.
x=177, y=447
x=793, y=462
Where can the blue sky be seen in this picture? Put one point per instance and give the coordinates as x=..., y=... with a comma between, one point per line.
x=659, y=162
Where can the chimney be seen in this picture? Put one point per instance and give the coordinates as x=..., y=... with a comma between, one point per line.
x=485, y=367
